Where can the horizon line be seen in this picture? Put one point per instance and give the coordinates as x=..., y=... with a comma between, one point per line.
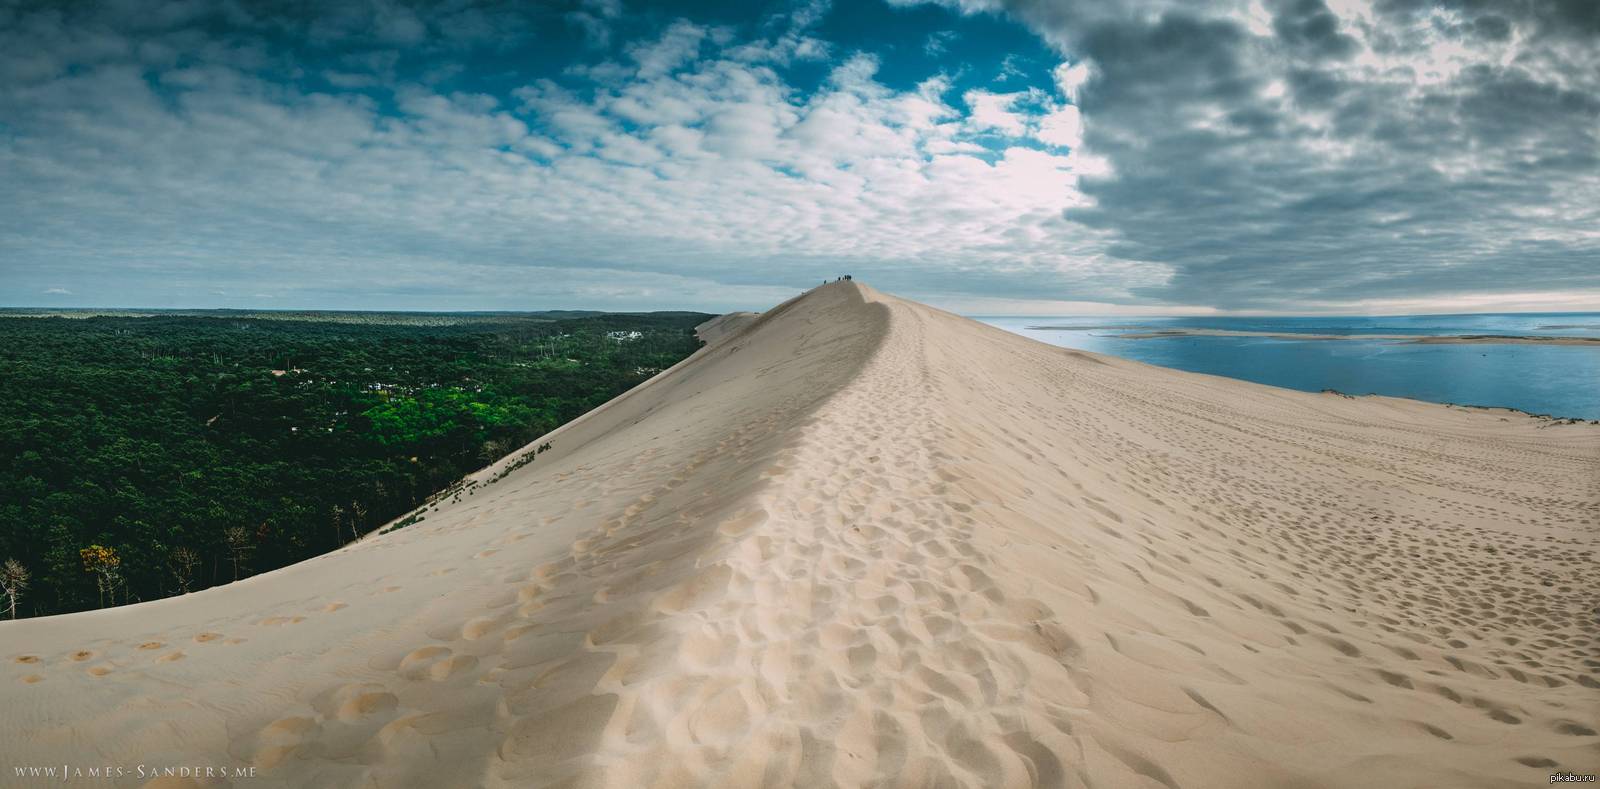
x=1219, y=314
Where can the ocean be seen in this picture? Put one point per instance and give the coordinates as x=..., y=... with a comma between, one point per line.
x=1557, y=380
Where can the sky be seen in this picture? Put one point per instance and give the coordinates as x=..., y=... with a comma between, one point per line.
x=987, y=156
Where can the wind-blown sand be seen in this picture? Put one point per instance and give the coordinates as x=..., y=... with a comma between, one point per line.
x=858, y=541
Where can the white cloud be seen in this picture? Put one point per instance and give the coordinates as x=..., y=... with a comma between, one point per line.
x=1071, y=77
x=692, y=161
x=1062, y=127
x=1258, y=167
x=994, y=111
x=675, y=48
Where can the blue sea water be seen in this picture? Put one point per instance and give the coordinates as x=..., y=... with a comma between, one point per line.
x=1558, y=380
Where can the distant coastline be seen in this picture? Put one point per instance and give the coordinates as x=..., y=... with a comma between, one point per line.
x=1449, y=339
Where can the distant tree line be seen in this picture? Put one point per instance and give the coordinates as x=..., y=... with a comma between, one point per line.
x=146, y=457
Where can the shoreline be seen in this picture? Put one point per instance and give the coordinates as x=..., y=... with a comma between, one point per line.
x=1412, y=339
x=1550, y=418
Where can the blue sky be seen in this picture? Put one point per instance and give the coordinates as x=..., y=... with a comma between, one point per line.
x=990, y=156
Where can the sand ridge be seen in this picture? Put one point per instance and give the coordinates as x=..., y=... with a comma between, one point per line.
x=856, y=541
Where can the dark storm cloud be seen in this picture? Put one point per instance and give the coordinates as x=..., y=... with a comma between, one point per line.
x=1572, y=19
x=1409, y=152
x=1308, y=26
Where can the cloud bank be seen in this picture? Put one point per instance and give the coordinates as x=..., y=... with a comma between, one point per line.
x=1286, y=157
x=1337, y=155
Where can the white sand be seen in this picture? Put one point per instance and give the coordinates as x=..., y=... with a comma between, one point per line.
x=858, y=541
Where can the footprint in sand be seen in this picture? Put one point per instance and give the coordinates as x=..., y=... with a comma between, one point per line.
x=1573, y=729
x=480, y=627
x=1204, y=703
x=207, y=637
x=366, y=704
x=1504, y=717
x=1436, y=731
x=282, y=620
x=1344, y=647
x=435, y=662
x=151, y=645
x=281, y=738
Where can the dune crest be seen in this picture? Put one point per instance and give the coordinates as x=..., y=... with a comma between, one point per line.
x=857, y=541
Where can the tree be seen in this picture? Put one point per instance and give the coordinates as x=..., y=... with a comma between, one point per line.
x=358, y=517
x=492, y=451
x=152, y=433
x=337, y=512
x=239, y=546
x=104, y=563
x=182, y=563
x=13, y=579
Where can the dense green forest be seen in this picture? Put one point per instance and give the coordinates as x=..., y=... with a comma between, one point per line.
x=142, y=457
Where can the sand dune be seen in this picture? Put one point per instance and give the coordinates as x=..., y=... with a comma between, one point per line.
x=856, y=541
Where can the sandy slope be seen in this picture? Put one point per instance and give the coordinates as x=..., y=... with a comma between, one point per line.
x=857, y=541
